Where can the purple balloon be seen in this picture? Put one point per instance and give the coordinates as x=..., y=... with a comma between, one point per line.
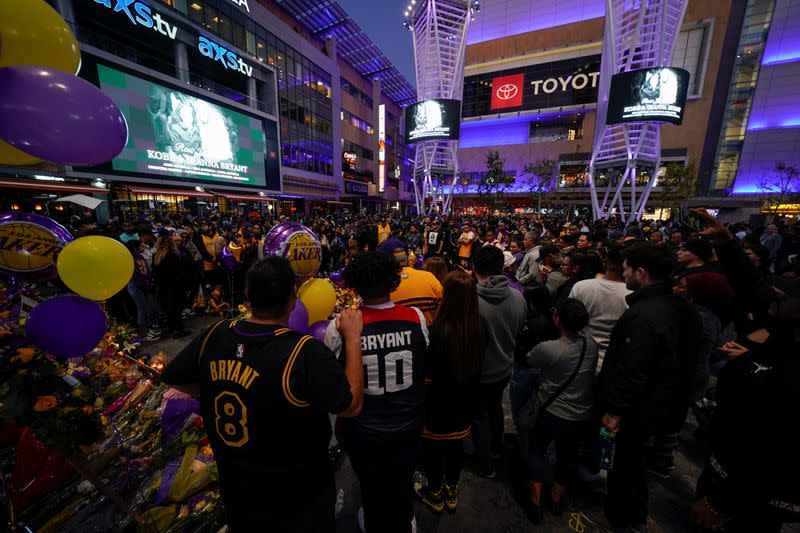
x=317, y=330
x=29, y=246
x=297, y=244
x=298, y=319
x=228, y=260
x=59, y=117
x=337, y=278
x=66, y=326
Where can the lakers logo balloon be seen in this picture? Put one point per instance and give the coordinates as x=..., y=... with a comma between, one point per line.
x=30, y=244
x=298, y=244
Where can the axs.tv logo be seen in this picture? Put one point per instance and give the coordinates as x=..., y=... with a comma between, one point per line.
x=140, y=14
x=229, y=59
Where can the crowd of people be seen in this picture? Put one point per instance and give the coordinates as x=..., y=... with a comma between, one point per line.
x=603, y=336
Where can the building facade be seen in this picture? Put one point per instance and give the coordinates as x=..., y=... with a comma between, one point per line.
x=233, y=103
x=530, y=93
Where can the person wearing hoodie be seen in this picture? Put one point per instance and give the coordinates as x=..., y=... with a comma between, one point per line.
x=503, y=309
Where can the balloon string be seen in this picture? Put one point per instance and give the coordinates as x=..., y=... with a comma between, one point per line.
x=576, y=523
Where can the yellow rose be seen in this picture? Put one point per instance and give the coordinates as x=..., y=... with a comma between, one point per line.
x=44, y=403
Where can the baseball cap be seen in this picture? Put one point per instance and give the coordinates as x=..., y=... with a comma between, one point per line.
x=390, y=245
x=508, y=259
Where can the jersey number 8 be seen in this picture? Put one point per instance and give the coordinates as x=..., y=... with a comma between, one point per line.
x=403, y=359
x=231, y=419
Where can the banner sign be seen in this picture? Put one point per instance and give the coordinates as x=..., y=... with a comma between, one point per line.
x=542, y=86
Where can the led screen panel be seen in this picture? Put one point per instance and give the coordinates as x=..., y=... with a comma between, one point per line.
x=175, y=134
x=433, y=119
x=650, y=94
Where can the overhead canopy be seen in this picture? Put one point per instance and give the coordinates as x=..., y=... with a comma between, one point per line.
x=89, y=202
x=244, y=197
x=327, y=19
x=49, y=186
x=143, y=189
x=335, y=202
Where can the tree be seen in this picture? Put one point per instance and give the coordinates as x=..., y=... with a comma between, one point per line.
x=677, y=184
x=494, y=183
x=782, y=185
x=542, y=179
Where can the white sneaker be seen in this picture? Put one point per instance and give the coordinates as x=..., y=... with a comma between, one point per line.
x=187, y=313
x=152, y=336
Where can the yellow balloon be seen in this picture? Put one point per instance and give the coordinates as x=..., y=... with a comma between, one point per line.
x=95, y=267
x=11, y=156
x=319, y=297
x=32, y=33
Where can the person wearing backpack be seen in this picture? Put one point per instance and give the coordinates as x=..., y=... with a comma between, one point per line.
x=562, y=406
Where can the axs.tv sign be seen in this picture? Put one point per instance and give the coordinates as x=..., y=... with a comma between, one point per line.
x=141, y=14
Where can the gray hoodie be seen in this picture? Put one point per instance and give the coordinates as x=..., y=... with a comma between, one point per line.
x=503, y=309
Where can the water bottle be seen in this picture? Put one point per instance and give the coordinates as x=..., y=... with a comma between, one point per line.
x=608, y=448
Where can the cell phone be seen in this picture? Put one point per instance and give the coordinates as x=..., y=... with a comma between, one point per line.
x=689, y=219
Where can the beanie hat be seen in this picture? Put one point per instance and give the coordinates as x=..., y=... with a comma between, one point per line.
x=390, y=245
x=699, y=247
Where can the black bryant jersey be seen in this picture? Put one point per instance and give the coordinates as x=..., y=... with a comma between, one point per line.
x=393, y=347
x=265, y=395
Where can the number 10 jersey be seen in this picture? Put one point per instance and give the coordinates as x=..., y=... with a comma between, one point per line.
x=393, y=345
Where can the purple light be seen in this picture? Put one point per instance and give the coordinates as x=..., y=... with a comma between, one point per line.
x=503, y=18
x=789, y=57
x=783, y=42
x=788, y=123
x=491, y=133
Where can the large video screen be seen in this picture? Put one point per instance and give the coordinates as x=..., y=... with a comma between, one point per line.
x=655, y=94
x=172, y=133
x=433, y=119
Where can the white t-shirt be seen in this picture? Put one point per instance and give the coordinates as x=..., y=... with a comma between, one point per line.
x=605, y=301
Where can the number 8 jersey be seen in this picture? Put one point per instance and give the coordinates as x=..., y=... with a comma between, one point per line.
x=265, y=395
x=393, y=345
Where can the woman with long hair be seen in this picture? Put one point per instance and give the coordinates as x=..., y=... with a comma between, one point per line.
x=436, y=266
x=170, y=277
x=452, y=377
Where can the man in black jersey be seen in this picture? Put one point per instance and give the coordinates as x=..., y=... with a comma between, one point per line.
x=382, y=441
x=265, y=394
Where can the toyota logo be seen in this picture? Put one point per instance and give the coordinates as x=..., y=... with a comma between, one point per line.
x=507, y=91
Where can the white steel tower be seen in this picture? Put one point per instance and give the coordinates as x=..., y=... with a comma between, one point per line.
x=439, y=32
x=638, y=34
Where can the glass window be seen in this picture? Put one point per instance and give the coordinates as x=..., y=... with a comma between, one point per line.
x=212, y=19
x=689, y=53
x=261, y=49
x=225, y=23
x=196, y=11
x=239, y=34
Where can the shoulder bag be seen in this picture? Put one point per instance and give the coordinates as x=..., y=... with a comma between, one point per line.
x=536, y=404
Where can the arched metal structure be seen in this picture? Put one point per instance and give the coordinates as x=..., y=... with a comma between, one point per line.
x=638, y=34
x=439, y=32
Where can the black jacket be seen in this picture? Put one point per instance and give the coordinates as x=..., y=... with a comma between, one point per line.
x=754, y=440
x=650, y=363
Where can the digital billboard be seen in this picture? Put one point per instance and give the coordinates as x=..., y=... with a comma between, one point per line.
x=569, y=82
x=651, y=94
x=175, y=134
x=433, y=119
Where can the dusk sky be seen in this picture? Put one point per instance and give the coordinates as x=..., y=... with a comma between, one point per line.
x=382, y=21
